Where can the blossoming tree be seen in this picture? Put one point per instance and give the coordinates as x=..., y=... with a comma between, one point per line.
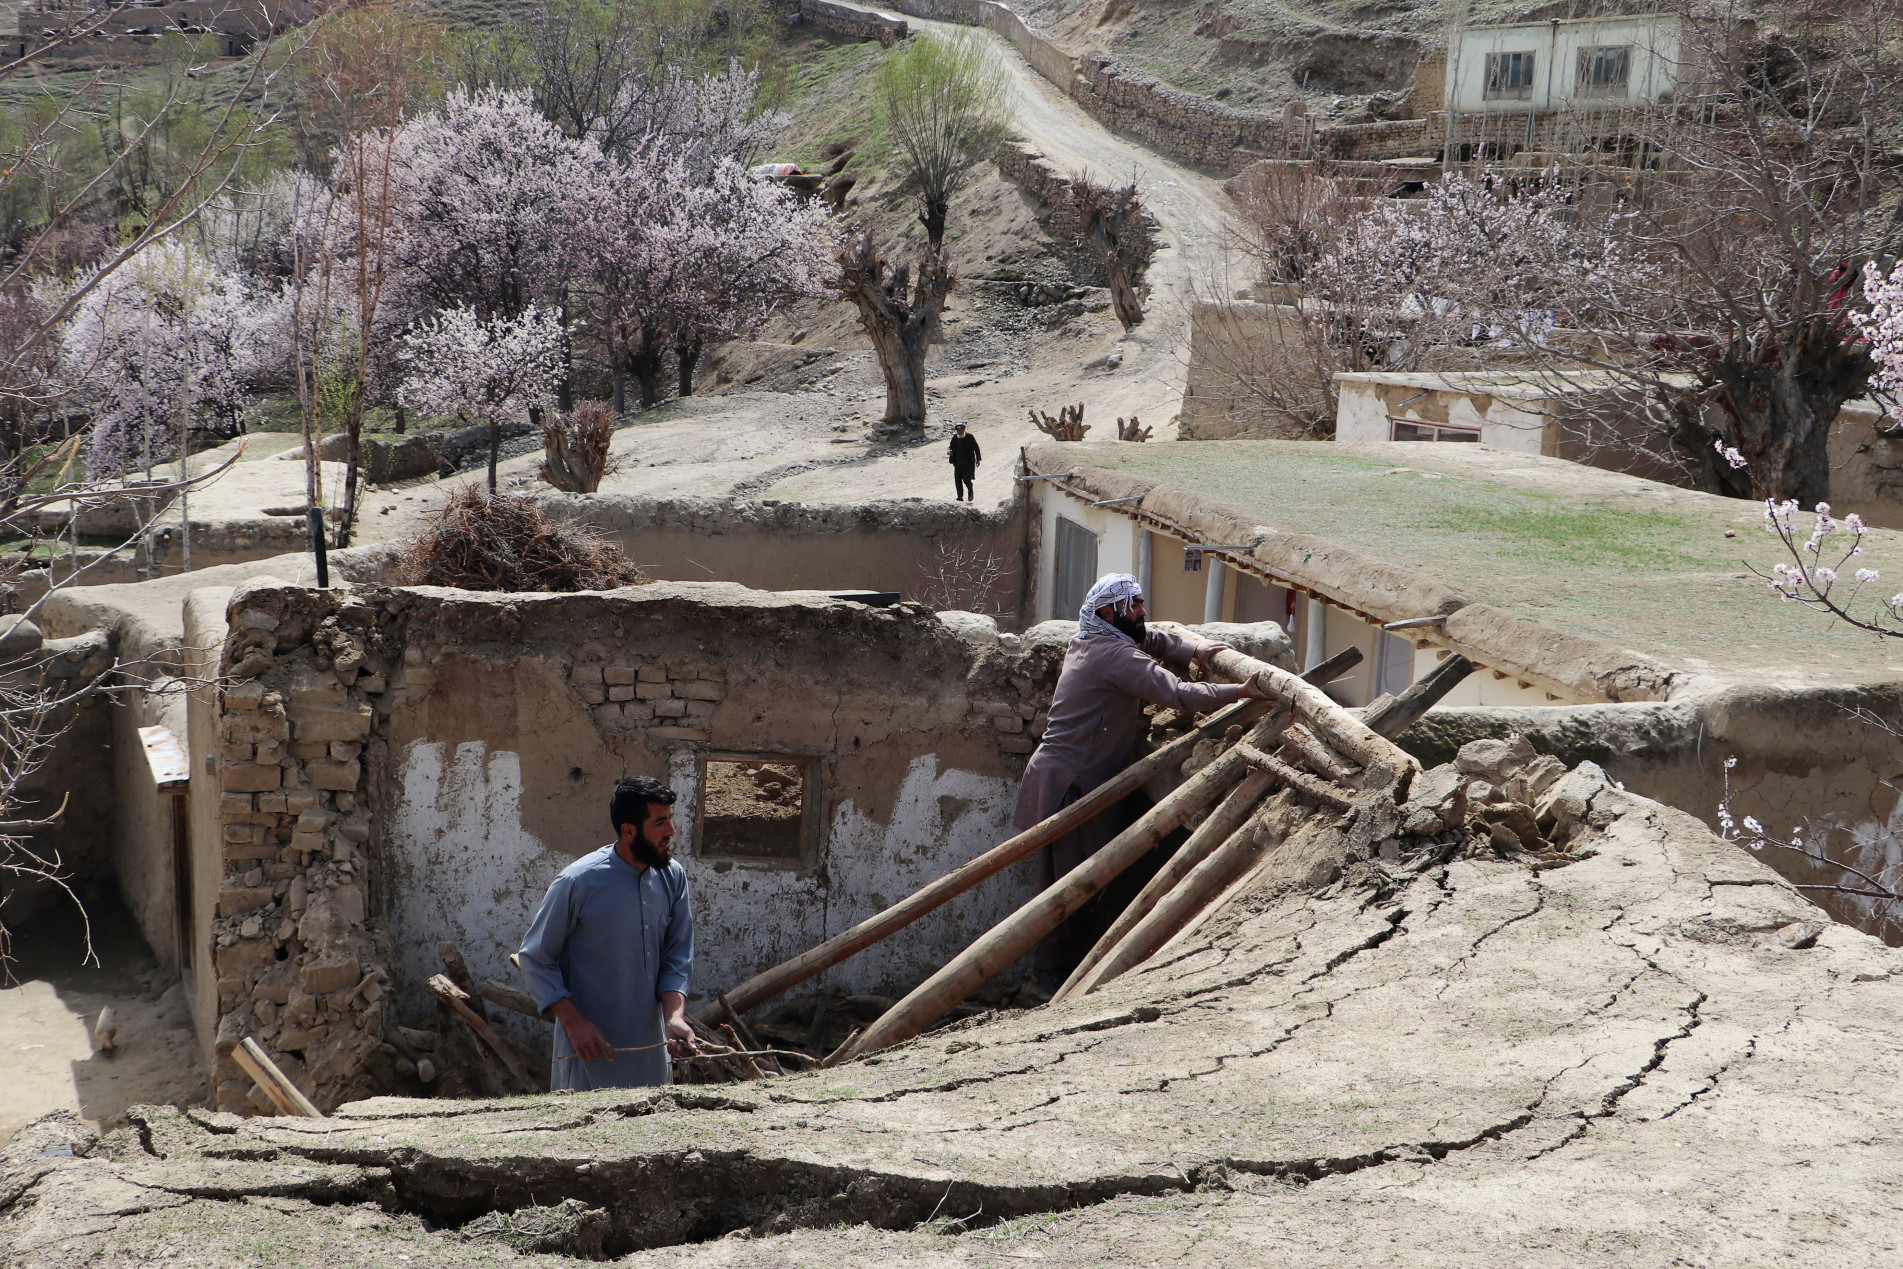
x=483, y=369
x=161, y=349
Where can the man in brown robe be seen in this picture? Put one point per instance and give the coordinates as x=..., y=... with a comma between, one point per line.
x=1111, y=670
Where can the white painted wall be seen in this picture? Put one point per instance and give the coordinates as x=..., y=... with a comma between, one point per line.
x=1117, y=546
x=1367, y=404
x=1654, y=40
x=462, y=866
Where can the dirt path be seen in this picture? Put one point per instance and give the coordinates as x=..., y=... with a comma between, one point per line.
x=814, y=446
x=48, y=1009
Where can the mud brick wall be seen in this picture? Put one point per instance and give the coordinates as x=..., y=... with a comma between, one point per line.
x=298, y=965
x=397, y=766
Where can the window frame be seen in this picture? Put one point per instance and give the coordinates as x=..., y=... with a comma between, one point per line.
x=1496, y=63
x=1456, y=433
x=811, y=818
x=1590, y=58
x=1062, y=605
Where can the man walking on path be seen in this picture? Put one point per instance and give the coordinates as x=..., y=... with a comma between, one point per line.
x=964, y=460
x=611, y=950
x=1111, y=668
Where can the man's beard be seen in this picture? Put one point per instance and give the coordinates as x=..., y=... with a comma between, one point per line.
x=647, y=852
x=1132, y=626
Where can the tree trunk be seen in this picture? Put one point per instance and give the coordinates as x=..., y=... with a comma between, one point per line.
x=900, y=316
x=903, y=362
x=495, y=450
x=1781, y=412
x=401, y=422
x=646, y=364
x=933, y=218
x=687, y=355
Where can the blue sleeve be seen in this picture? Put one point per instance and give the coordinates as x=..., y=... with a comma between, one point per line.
x=677, y=944
x=540, y=958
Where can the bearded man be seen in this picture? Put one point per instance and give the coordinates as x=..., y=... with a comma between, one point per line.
x=611, y=950
x=1111, y=669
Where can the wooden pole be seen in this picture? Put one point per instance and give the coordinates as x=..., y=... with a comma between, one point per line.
x=1173, y=912
x=1221, y=824
x=1136, y=937
x=765, y=986
x=1011, y=938
x=1309, y=786
x=1192, y=852
x=1334, y=724
x=283, y=1094
x=497, y=992
x=1302, y=745
x=453, y=996
x=1392, y=715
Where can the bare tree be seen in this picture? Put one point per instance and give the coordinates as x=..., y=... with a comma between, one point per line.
x=946, y=105
x=1112, y=221
x=963, y=579
x=44, y=481
x=899, y=307
x=1759, y=191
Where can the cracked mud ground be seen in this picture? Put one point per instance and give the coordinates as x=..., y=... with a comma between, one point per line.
x=1604, y=1064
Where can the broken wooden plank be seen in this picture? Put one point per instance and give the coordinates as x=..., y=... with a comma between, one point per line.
x=1392, y=715
x=283, y=1094
x=459, y=1003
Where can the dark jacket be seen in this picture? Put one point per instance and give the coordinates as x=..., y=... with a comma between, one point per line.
x=964, y=451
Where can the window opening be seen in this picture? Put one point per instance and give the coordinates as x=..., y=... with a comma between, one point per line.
x=755, y=807
x=1509, y=76
x=1605, y=71
x=1421, y=430
x=1076, y=567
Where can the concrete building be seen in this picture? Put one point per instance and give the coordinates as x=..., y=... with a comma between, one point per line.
x=1562, y=64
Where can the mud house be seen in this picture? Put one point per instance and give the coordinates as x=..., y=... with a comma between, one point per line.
x=1612, y=618
x=1588, y=418
x=386, y=767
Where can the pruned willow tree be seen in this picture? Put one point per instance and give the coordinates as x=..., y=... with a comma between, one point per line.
x=945, y=104
x=80, y=220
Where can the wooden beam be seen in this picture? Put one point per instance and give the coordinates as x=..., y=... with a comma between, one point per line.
x=283, y=1094
x=764, y=986
x=1191, y=853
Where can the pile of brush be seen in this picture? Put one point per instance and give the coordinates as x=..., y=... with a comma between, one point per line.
x=482, y=541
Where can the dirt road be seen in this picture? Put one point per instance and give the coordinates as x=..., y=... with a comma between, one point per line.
x=814, y=445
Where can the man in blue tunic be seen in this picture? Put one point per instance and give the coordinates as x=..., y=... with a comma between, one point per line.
x=611, y=949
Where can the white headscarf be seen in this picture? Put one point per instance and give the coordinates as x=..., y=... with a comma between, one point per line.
x=1116, y=590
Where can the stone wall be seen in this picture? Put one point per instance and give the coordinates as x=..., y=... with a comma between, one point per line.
x=851, y=20
x=1029, y=171
x=296, y=963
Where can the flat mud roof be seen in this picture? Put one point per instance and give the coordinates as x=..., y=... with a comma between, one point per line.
x=1633, y=562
